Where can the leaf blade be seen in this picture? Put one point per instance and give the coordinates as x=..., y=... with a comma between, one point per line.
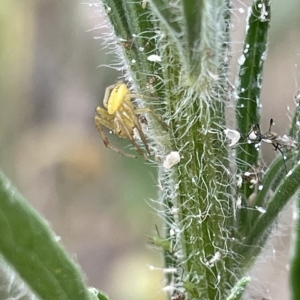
x=31, y=248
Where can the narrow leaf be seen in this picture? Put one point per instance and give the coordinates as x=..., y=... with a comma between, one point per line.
x=250, y=76
x=33, y=251
x=295, y=262
x=261, y=229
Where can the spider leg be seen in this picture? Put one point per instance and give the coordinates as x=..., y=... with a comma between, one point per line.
x=147, y=110
x=129, y=135
x=106, y=141
x=277, y=147
x=258, y=128
x=104, y=118
x=153, y=113
x=141, y=96
x=137, y=124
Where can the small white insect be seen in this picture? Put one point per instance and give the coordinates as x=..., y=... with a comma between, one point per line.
x=239, y=180
x=233, y=135
x=214, y=259
x=171, y=159
x=238, y=202
x=154, y=58
x=260, y=209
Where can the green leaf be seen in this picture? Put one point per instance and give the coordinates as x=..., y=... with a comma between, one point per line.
x=183, y=22
x=238, y=290
x=33, y=251
x=11, y=285
x=115, y=11
x=260, y=230
x=277, y=167
x=295, y=262
x=167, y=16
x=97, y=295
x=136, y=34
x=250, y=78
x=248, y=89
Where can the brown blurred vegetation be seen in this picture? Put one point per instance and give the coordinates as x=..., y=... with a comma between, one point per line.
x=95, y=199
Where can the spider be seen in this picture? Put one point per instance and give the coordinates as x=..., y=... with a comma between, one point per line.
x=273, y=138
x=121, y=116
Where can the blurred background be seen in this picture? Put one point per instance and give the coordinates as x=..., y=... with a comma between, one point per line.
x=99, y=202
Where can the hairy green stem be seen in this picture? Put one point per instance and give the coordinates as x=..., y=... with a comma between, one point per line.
x=210, y=241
